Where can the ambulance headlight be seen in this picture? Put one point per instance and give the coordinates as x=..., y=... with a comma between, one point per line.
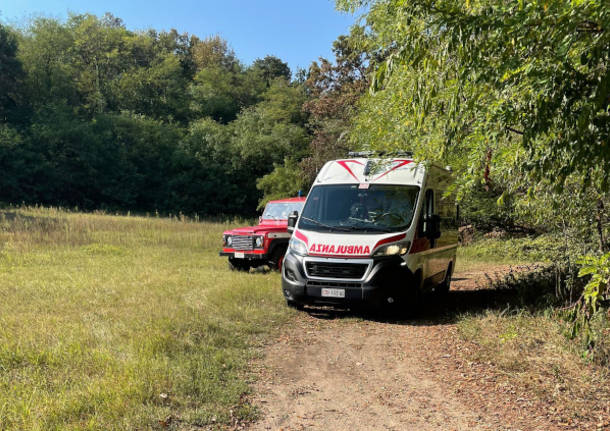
x=297, y=247
x=400, y=249
x=228, y=240
x=258, y=241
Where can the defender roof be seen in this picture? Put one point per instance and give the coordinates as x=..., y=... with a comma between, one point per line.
x=288, y=200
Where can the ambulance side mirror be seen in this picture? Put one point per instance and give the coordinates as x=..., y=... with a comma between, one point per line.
x=292, y=221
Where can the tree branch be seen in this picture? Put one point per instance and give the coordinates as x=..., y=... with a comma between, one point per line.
x=510, y=129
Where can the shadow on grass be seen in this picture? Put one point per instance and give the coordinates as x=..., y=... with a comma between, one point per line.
x=18, y=220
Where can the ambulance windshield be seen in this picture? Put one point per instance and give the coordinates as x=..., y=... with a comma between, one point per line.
x=363, y=208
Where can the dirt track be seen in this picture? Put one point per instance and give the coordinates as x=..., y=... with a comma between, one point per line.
x=331, y=371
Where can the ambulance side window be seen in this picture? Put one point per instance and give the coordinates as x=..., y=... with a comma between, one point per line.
x=428, y=209
x=429, y=202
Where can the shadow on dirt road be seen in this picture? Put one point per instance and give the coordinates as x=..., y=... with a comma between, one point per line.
x=434, y=310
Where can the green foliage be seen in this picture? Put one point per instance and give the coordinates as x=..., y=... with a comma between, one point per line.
x=285, y=180
x=515, y=96
x=516, y=250
x=511, y=94
x=11, y=74
x=204, y=175
x=334, y=90
x=96, y=116
x=215, y=94
x=591, y=316
x=273, y=129
x=597, y=290
x=470, y=74
x=270, y=68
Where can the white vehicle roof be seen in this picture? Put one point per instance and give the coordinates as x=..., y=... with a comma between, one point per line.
x=397, y=170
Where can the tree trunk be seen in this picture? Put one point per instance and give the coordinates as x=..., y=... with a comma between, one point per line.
x=599, y=219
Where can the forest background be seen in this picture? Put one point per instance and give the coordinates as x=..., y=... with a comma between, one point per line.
x=514, y=96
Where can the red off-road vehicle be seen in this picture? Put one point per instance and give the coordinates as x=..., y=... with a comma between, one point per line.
x=266, y=243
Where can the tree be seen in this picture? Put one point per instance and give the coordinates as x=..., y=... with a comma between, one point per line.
x=334, y=91
x=212, y=51
x=140, y=120
x=11, y=74
x=271, y=68
x=285, y=180
x=506, y=92
x=273, y=129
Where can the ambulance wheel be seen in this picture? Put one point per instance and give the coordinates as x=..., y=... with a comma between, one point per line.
x=295, y=305
x=238, y=265
x=443, y=288
x=277, y=258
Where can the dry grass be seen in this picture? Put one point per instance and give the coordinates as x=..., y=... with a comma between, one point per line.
x=111, y=322
x=532, y=353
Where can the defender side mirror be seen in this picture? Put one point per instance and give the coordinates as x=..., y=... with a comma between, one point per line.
x=292, y=221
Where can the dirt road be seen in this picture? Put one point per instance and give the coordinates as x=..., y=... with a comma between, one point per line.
x=333, y=371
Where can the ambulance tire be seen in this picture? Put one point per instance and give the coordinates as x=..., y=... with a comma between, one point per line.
x=443, y=288
x=295, y=305
x=406, y=299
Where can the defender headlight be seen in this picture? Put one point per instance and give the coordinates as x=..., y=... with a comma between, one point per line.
x=297, y=247
x=258, y=241
x=400, y=248
x=228, y=240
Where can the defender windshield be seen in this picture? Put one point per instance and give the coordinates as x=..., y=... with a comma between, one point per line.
x=367, y=208
x=280, y=210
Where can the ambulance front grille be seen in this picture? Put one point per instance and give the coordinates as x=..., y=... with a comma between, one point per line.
x=336, y=270
x=242, y=242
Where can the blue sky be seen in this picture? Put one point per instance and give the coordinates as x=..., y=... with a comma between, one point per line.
x=296, y=31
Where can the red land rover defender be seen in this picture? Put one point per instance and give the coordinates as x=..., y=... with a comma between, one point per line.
x=266, y=243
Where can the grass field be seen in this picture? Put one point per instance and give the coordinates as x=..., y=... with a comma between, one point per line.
x=114, y=323
x=111, y=322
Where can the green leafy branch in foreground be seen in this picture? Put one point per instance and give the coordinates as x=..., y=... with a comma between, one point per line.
x=591, y=314
x=469, y=80
x=597, y=289
x=513, y=95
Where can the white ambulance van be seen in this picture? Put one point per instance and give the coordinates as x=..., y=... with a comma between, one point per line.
x=373, y=230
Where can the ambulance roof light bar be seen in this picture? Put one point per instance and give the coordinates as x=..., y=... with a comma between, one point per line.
x=367, y=154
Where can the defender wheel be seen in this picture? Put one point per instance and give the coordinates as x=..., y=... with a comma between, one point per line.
x=277, y=258
x=238, y=265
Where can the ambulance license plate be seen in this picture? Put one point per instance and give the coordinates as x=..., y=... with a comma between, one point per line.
x=333, y=293
x=239, y=255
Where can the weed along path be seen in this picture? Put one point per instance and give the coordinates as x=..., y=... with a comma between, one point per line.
x=333, y=371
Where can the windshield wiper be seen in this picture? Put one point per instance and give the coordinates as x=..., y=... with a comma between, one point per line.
x=319, y=223
x=370, y=229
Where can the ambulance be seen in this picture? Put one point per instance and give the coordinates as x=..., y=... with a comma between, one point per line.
x=374, y=230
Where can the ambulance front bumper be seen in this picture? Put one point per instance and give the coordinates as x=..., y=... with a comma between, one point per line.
x=386, y=280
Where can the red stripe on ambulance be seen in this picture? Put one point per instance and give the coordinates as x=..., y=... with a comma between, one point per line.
x=299, y=235
x=347, y=168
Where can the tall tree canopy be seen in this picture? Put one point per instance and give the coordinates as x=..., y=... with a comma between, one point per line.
x=270, y=68
x=10, y=73
x=514, y=94
x=140, y=120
